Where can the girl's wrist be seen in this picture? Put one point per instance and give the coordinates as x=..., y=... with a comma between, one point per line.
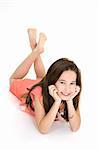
x=69, y=101
x=58, y=100
x=70, y=117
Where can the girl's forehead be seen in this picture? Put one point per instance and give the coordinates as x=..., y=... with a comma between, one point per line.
x=68, y=74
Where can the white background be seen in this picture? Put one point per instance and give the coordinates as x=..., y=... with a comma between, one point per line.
x=72, y=31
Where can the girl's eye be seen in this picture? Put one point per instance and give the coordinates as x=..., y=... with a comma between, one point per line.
x=73, y=83
x=62, y=82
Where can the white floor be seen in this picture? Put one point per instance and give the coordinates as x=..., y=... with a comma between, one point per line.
x=18, y=130
x=71, y=28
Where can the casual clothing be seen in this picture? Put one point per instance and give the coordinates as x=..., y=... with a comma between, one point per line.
x=19, y=87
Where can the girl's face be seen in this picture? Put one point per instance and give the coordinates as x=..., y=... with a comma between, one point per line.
x=66, y=84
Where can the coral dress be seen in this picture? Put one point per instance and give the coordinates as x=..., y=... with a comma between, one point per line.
x=19, y=87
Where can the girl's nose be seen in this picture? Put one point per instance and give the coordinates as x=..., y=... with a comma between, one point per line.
x=67, y=88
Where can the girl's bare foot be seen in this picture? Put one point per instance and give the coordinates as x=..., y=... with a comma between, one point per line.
x=32, y=37
x=41, y=42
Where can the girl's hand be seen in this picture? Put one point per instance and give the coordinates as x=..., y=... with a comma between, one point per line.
x=53, y=92
x=77, y=89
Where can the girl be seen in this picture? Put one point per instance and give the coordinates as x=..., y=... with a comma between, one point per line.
x=52, y=96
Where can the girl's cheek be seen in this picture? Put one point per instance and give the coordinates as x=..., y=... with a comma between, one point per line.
x=73, y=90
x=59, y=88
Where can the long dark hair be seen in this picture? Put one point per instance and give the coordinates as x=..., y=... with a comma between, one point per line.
x=53, y=74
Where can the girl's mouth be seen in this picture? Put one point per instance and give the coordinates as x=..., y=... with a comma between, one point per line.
x=67, y=94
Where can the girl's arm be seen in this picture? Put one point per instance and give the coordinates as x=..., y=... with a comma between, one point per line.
x=45, y=121
x=74, y=116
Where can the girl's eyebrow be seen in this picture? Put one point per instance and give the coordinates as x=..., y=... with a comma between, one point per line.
x=65, y=80
x=74, y=81
x=61, y=80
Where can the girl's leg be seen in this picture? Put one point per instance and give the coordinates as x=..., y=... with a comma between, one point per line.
x=38, y=64
x=39, y=67
x=24, y=67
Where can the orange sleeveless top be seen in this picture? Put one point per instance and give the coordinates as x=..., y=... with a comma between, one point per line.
x=19, y=87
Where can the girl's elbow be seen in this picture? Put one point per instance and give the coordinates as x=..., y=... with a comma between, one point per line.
x=42, y=131
x=75, y=129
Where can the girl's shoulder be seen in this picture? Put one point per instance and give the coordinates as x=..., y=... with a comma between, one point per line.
x=19, y=86
x=37, y=91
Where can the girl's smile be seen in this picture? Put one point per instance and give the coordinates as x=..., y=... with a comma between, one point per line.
x=65, y=94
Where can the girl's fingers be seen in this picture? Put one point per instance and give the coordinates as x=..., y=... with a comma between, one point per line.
x=52, y=91
x=52, y=88
x=77, y=90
